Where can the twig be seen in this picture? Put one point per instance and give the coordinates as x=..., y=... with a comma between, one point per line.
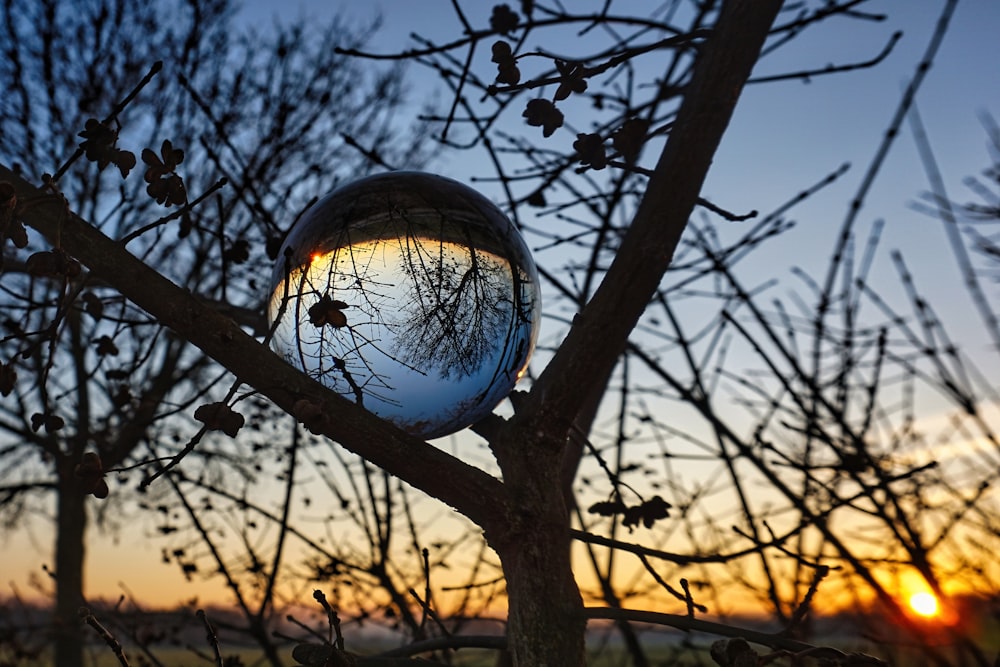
x=174, y=460
x=680, y=559
x=496, y=642
x=731, y=217
x=222, y=182
x=883, y=151
x=946, y=214
x=432, y=49
x=211, y=636
x=291, y=619
x=684, y=597
x=803, y=608
x=618, y=59
x=157, y=66
x=369, y=153
x=335, y=635
x=689, y=600
x=690, y=624
x=106, y=635
x=832, y=69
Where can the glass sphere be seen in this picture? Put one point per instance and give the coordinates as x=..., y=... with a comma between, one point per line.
x=411, y=295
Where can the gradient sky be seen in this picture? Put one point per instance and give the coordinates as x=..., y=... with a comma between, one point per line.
x=784, y=137
x=787, y=135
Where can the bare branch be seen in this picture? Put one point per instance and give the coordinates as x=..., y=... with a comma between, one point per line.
x=471, y=491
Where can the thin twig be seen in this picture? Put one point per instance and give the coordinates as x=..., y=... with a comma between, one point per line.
x=833, y=69
x=690, y=624
x=106, y=635
x=212, y=637
x=157, y=66
x=222, y=182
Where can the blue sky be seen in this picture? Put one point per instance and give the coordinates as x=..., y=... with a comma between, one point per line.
x=785, y=136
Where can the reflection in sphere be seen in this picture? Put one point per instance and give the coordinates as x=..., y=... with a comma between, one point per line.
x=410, y=294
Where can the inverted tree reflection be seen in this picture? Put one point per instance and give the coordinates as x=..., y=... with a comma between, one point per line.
x=410, y=294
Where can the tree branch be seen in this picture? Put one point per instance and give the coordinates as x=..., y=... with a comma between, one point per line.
x=599, y=332
x=691, y=624
x=469, y=490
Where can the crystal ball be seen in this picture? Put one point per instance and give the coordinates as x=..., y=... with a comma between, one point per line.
x=410, y=294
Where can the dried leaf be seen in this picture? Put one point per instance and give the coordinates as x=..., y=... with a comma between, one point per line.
x=98, y=142
x=646, y=513
x=125, y=161
x=590, y=149
x=10, y=228
x=106, y=347
x=52, y=423
x=504, y=19
x=628, y=139
x=8, y=377
x=607, y=508
x=154, y=166
x=165, y=185
x=100, y=145
x=17, y=234
x=93, y=305
x=90, y=472
x=540, y=112
x=220, y=417
x=42, y=264
x=172, y=157
x=508, y=74
x=169, y=190
x=501, y=52
x=52, y=264
x=328, y=311
x=572, y=79
x=237, y=253
x=507, y=71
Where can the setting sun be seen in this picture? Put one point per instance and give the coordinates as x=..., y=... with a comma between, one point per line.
x=924, y=604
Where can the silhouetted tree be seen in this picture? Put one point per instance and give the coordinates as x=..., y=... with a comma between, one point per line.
x=275, y=113
x=813, y=440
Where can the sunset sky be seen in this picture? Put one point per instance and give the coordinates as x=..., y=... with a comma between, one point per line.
x=785, y=136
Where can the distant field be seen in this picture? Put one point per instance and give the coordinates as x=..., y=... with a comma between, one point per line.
x=178, y=657
x=658, y=652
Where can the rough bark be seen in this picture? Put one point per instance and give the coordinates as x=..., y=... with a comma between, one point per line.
x=71, y=524
x=545, y=624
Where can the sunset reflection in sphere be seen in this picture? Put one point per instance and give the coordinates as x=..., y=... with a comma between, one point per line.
x=411, y=295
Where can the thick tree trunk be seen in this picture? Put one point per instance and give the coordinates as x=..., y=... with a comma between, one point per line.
x=545, y=624
x=71, y=525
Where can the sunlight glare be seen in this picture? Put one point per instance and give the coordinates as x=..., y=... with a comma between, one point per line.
x=924, y=604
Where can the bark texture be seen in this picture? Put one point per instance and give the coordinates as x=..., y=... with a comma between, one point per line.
x=71, y=524
x=545, y=625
